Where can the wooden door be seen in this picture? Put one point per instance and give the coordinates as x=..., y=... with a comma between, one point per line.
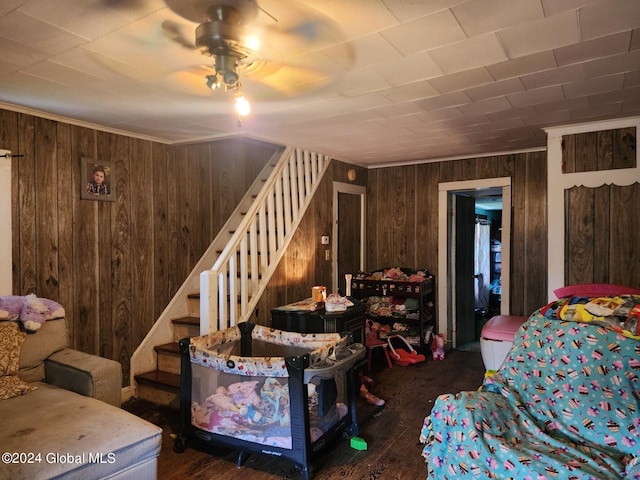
x=349, y=240
x=464, y=219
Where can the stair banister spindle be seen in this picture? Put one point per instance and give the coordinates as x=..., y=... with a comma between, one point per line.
x=285, y=207
x=264, y=241
x=271, y=220
x=300, y=179
x=307, y=172
x=293, y=186
x=244, y=273
x=252, y=278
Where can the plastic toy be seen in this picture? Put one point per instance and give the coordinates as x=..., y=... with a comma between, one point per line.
x=437, y=347
x=404, y=357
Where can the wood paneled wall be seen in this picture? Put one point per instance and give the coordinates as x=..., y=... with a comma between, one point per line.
x=114, y=266
x=599, y=151
x=603, y=230
x=602, y=226
x=402, y=217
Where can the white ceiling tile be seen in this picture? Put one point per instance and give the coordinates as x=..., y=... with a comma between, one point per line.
x=370, y=50
x=513, y=114
x=405, y=10
x=552, y=7
x=461, y=80
x=613, y=96
x=555, y=76
x=595, y=112
x=418, y=66
x=77, y=17
x=592, y=49
x=540, y=95
x=398, y=110
x=503, y=124
x=479, y=17
x=495, y=89
x=425, y=33
x=482, y=107
x=409, y=92
x=550, y=117
x=37, y=34
x=444, y=101
x=604, y=18
x=628, y=62
x=468, y=54
x=360, y=81
x=7, y=6
x=631, y=106
x=523, y=65
x=55, y=72
x=567, y=104
x=594, y=86
x=438, y=112
x=632, y=79
x=538, y=36
x=18, y=54
x=354, y=17
x=635, y=39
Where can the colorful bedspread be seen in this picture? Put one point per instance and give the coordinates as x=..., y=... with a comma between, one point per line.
x=564, y=405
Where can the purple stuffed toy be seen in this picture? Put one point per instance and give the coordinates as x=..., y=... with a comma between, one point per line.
x=30, y=310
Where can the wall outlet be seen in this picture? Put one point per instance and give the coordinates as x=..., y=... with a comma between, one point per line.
x=324, y=240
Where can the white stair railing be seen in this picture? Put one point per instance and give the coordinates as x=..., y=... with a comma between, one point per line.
x=230, y=290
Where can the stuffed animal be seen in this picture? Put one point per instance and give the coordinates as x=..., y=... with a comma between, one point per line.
x=11, y=306
x=30, y=310
x=437, y=347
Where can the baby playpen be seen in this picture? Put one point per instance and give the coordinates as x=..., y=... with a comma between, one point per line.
x=260, y=390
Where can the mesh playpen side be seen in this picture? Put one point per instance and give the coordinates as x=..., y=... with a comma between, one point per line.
x=260, y=390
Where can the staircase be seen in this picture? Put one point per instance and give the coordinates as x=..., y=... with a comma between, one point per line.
x=224, y=287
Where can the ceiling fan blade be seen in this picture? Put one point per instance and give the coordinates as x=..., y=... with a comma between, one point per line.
x=295, y=27
x=174, y=32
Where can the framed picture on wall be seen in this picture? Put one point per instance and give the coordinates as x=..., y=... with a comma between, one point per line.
x=98, y=180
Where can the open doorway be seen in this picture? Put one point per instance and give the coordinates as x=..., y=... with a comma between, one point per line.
x=473, y=256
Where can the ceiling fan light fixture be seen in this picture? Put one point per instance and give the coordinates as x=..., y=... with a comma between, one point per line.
x=242, y=106
x=230, y=78
x=212, y=82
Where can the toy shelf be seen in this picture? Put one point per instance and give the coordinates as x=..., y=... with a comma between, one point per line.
x=417, y=318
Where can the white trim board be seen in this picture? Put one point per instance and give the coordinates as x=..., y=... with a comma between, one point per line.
x=558, y=182
x=6, y=256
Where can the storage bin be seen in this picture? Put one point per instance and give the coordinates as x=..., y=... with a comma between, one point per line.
x=496, y=339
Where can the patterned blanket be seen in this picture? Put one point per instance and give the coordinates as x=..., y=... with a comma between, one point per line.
x=565, y=403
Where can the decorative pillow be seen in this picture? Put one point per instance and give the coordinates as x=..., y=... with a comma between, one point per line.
x=11, y=339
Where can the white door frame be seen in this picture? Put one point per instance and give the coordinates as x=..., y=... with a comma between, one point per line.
x=6, y=275
x=340, y=187
x=445, y=285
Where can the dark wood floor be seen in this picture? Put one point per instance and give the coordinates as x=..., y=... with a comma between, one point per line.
x=391, y=432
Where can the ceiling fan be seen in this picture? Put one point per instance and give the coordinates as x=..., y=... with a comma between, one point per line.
x=222, y=33
x=230, y=31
